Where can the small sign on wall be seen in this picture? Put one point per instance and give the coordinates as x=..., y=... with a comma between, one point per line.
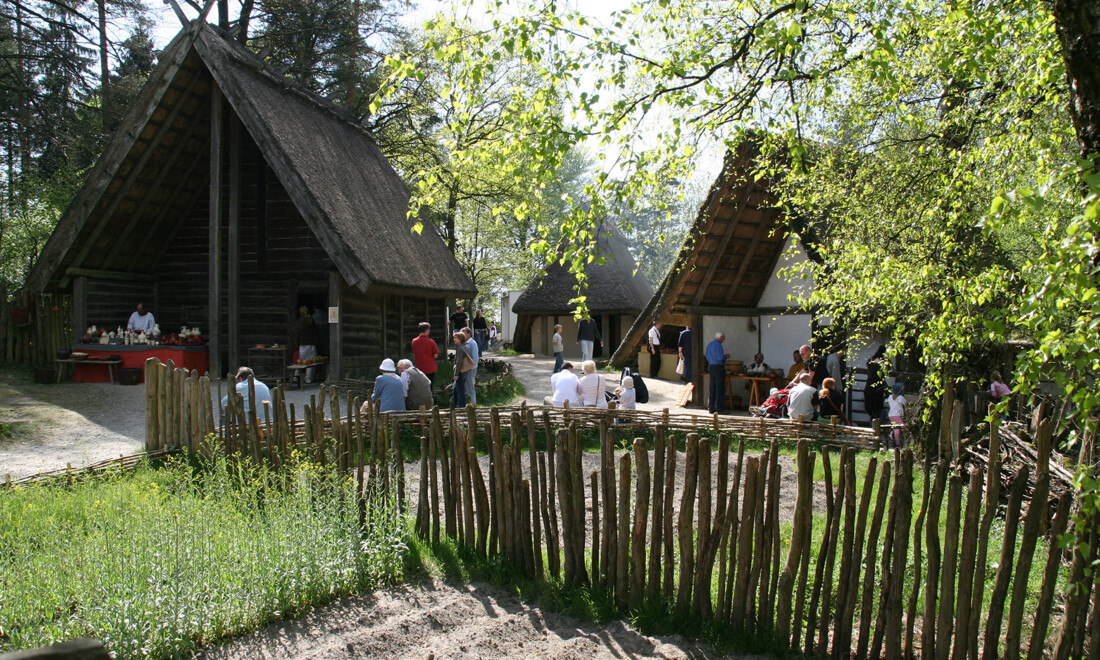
x=333, y=314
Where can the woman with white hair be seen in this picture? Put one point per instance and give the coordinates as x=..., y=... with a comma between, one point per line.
x=592, y=386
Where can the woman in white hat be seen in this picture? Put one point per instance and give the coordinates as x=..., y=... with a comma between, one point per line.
x=387, y=388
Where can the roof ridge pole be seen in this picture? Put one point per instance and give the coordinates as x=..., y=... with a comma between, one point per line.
x=215, y=263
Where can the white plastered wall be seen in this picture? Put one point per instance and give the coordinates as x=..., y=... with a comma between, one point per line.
x=778, y=292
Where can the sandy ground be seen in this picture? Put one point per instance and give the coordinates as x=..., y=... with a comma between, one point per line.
x=432, y=619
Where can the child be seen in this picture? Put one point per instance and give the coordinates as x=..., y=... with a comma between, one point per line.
x=559, y=349
x=997, y=389
x=626, y=395
x=896, y=406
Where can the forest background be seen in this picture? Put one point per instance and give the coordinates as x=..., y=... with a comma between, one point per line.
x=942, y=155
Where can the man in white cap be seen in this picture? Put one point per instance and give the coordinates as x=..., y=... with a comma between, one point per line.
x=387, y=388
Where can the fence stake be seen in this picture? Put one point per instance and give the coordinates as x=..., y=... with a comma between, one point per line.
x=803, y=500
x=941, y=640
x=845, y=585
x=622, y=569
x=992, y=502
x=1004, y=570
x=684, y=523
x=536, y=493
x=832, y=537
x=656, y=541
x=701, y=579
x=595, y=479
x=641, y=513
x=1036, y=510
x=565, y=502
x=609, y=547
x=551, y=501
x=770, y=574
x=739, y=606
x=1050, y=579
x=867, y=612
x=904, y=487
x=669, y=531
x=735, y=522
x=842, y=641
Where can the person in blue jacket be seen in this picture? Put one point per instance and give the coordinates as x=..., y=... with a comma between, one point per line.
x=388, y=389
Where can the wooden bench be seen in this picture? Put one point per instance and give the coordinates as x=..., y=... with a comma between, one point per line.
x=110, y=364
x=298, y=372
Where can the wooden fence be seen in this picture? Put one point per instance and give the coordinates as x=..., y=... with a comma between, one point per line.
x=33, y=327
x=661, y=525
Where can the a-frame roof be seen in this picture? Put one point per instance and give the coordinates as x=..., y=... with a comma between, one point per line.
x=613, y=287
x=158, y=163
x=729, y=253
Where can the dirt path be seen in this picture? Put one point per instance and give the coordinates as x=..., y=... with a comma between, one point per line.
x=432, y=619
x=45, y=427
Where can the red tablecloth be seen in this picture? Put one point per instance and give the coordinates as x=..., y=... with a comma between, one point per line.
x=191, y=358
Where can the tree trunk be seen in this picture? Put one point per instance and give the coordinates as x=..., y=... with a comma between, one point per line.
x=104, y=69
x=1078, y=26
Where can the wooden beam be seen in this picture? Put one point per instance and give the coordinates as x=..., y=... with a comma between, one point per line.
x=722, y=245
x=233, y=286
x=157, y=183
x=335, y=345
x=132, y=177
x=215, y=232
x=113, y=275
x=182, y=17
x=762, y=230
x=80, y=307
x=698, y=347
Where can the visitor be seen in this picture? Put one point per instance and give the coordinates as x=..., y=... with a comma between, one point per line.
x=588, y=333
x=592, y=386
x=463, y=365
x=481, y=332
x=263, y=395
x=834, y=365
x=997, y=388
x=493, y=336
x=716, y=367
x=559, y=349
x=566, y=388
x=475, y=355
x=874, y=392
x=305, y=333
x=459, y=319
x=797, y=367
x=802, y=400
x=683, y=347
x=809, y=366
x=895, y=404
x=425, y=352
x=387, y=388
x=832, y=401
x=416, y=386
x=653, y=343
x=625, y=395
x=758, y=366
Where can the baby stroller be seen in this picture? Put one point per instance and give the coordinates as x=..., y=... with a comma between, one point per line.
x=774, y=407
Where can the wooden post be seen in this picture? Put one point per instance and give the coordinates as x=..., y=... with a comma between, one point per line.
x=904, y=488
x=214, y=276
x=1036, y=509
x=843, y=639
x=622, y=569
x=832, y=536
x=684, y=523
x=669, y=532
x=967, y=577
x=595, y=478
x=577, y=481
x=844, y=585
x=551, y=509
x=731, y=542
x=641, y=513
x=536, y=524
x=481, y=496
x=700, y=577
x=867, y=607
x=930, y=506
x=1004, y=569
x=436, y=440
x=565, y=503
x=803, y=502
x=423, y=526
x=991, y=504
x=653, y=589
x=1050, y=580
x=233, y=284
x=950, y=564
x=609, y=542
x=741, y=594
x=720, y=511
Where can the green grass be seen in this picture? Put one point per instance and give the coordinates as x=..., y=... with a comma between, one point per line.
x=157, y=562
x=506, y=352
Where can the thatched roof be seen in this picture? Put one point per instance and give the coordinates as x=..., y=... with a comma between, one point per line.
x=613, y=287
x=729, y=253
x=157, y=165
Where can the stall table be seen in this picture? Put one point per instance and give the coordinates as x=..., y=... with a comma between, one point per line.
x=110, y=364
x=195, y=358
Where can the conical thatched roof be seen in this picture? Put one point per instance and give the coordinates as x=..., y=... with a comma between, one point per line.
x=350, y=197
x=612, y=287
x=730, y=252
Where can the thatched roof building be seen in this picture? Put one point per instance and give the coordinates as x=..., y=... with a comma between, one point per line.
x=229, y=197
x=615, y=292
x=725, y=276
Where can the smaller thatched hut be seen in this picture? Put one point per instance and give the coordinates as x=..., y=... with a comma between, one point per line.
x=616, y=295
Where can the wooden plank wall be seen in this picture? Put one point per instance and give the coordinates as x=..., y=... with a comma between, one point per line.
x=378, y=326
x=109, y=304
x=278, y=253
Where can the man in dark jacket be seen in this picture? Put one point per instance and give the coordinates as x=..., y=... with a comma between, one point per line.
x=588, y=333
